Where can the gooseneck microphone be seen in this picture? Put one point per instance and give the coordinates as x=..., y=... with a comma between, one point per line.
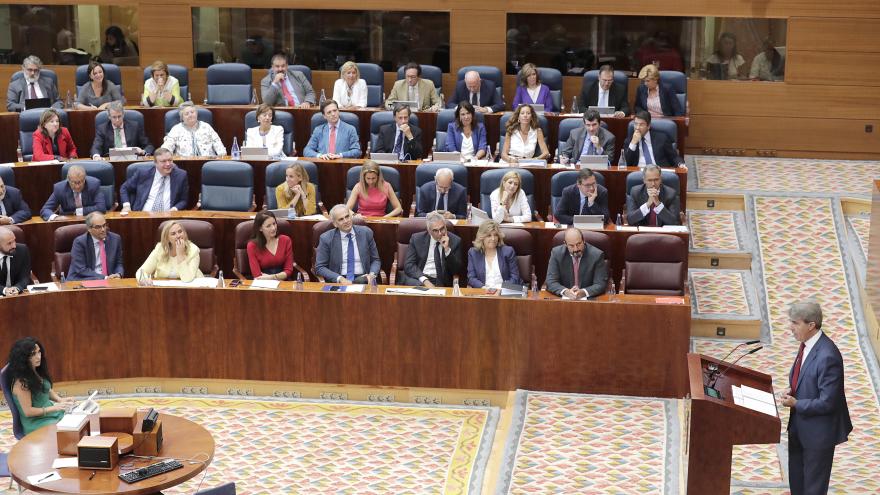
x=729, y=366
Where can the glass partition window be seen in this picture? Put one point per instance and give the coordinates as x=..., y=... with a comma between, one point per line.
x=69, y=34
x=702, y=47
x=320, y=39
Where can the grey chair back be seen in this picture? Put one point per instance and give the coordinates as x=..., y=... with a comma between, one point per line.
x=227, y=185
x=229, y=84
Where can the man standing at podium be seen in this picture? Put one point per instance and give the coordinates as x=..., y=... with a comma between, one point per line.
x=819, y=417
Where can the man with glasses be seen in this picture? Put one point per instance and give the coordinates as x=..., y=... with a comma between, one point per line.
x=433, y=257
x=414, y=88
x=78, y=195
x=442, y=195
x=97, y=254
x=576, y=269
x=653, y=204
x=120, y=133
x=586, y=197
x=347, y=254
x=605, y=93
x=590, y=139
x=31, y=84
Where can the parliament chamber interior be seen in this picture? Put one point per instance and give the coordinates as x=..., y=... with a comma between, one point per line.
x=384, y=248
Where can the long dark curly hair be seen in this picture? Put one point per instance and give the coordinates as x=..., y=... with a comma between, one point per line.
x=20, y=365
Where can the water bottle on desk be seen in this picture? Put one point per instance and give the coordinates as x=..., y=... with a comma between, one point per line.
x=456, y=290
x=18, y=156
x=612, y=291
x=442, y=101
x=68, y=101
x=236, y=151
x=534, y=294
x=299, y=281
x=574, y=104
x=323, y=98
x=221, y=281
x=253, y=97
x=291, y=213
x=619, y=220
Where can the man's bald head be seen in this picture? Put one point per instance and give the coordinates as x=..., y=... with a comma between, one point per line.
x=7, y=241
x=472, y=81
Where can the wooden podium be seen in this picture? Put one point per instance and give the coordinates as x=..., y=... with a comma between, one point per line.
x=716, y=425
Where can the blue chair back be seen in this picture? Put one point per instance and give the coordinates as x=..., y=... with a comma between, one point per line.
x=172, y=118
x=425, y=173
x=28, y=122
x=229, y=84
x=49, y=72
x=374, y=76
x=668, y=177
x=101, y=118
x=542, y=122
x=17, y=428
x=390, y=174
x=275, y=174
x=304, y=69
x=378, y=119
x=491, y=179
x=111, y=73
x=564, y=179
x=347, y=117
x=430, y=72
x=180, y=73
x=103, y=171
x=227, y=185
x=225, y=489
x=489, y=72
x=679, y=83
x=282, y=118
x=8, y=176
x=135, y=167
x=553, y=79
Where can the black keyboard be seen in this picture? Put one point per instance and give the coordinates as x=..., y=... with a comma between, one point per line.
x=145, y=472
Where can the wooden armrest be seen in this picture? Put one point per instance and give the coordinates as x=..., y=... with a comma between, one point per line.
x=537, y=216
x=323, y=208
x=393, y=275
x=305, y=274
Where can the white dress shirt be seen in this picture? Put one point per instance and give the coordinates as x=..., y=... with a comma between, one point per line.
x=99, y=268
x=6, y=260
x=358, y=96
x=36, y=87
x=493, y=272
x=154, y=191
x=467, y=146
x=808, y=346
x=430, y=268
x=519, y=210
x=603, y=97
x=358, y=266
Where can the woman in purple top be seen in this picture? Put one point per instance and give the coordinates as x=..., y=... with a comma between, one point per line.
x=530, y=90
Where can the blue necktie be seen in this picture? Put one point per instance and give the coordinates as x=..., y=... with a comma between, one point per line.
x=592, y=149
x=349, y=271
x=398, y=143
x=647, y=153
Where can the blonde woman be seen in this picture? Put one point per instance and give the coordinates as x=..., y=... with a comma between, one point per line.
x=524, y=137
x=296, y=190
x=174, y=257
x=372, y=194
x=350, y=91
x=490, y=262
x=509, y=201
x=654, y=96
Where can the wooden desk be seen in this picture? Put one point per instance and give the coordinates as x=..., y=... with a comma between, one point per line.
x=183, y=439
x=138, y=232
x=630, y=347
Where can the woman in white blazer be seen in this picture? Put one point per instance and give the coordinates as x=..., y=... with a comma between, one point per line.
x=350, y=91
x=266, y=135
x=509, y=201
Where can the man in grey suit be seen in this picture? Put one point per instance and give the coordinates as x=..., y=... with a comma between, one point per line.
x=286, y=87
x=30, y=84
x=576, y=269
x=600, y=142
x=653, y=204
x=347, y=254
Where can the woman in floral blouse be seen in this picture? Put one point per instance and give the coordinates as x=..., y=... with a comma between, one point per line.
x=191, y=137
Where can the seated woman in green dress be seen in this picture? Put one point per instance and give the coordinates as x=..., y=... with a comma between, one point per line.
x=28, y=375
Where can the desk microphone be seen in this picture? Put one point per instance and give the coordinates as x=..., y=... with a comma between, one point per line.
x=756, y=349
x=714, y=366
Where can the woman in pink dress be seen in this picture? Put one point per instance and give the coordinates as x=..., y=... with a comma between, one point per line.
x=371, y=195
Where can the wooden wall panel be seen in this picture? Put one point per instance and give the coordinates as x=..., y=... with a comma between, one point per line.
x=167, y=20
x=833, y=68
x=477, y=26
x=169, y=50
x=734, y=8
x=463, y=54
x=834, y=35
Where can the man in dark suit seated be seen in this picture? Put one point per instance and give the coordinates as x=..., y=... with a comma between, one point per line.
x=591, y=139
x=649, y=147
x=819, y=419
x=97, y=254
x=165, y=188
x=586, y=197
x=120, y=133
x=481, y=94
x=433, y=257
x=400, y=138
x=32, y=85
x=576, y=270
x=443, y=195
x=15, y=264
x=13, y=209
x=605, y=93
x=653, y=203
x=78, y=195
x=347, y=254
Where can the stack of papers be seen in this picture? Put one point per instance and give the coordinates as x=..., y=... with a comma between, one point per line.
x=265, y=284
x=318, y=217
x=199, y=282
x=754, y=399
x=48, y=287
x=415, y=292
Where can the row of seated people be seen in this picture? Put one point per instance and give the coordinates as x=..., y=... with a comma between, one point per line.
x=286, y=86
x=165, y=187
x=523, y=137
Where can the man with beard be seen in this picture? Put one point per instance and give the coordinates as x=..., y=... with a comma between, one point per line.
x=33, y=84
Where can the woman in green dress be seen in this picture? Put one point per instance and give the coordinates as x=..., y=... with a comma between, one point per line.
x=28, y=375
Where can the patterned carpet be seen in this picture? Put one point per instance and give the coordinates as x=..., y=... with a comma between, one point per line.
x=721, y=293
x=715, y=231
x=785, y=174
x=569, y=443
x=304, y=446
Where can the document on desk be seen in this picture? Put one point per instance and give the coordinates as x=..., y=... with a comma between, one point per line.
x=265, y=284
x=626, y=228
x=206, y=282
x=415, y=292
x=64, y=462
x=47, y=287
x=316, y=216
x=41, y=478
x=551, y=225
x=47, y=162
x=754, y=399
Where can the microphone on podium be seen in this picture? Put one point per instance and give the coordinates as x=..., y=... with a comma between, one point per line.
x=714, y=367
x=717, y=376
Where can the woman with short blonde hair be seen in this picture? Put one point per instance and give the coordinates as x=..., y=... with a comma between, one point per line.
x=350, y=91
x=509, y=202
x=490, y=262
x=174, y=257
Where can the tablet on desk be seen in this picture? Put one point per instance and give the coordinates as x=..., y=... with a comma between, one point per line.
x=122, y=154
x=447, y=156
x=589, y=222
x=603, y=111
x=255, y=153
x=594, y=161
x=538, y=108
x=384, y=158
x=37, y=103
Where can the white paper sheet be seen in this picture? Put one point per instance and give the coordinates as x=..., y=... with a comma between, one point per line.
x=627, y=228
x=754, y=399
x=675, y=228
x=50, y=287
x=551, y=225
x=64, y=462
x=207, y=282
x=71, y=422
x=415, y=292
x=318, y=217
x=38, y=479
x=265, y=284
x=47, y=162
x=355, y=288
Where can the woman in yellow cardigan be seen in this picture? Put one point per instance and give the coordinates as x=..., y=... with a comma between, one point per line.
x=296, y=191
x=173, y=257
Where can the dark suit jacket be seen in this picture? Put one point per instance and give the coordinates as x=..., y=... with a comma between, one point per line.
x=411, y=147
x=15, y=206
x=19, y=268
x=417, y=256
x=42, y=145
x=638, y=196
x=661, y=147
x=18, y=92
x=136, y=190
x=62, y=196
x=328, y=259
x=575, y=144
x=134, y=136
x=83, y=260
x=593, y=271
x=570, y=203
x=616, y=97
x=488, y=96
x=456, y=199
x=820, y=418
x=668, y=100
x=506, y=262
